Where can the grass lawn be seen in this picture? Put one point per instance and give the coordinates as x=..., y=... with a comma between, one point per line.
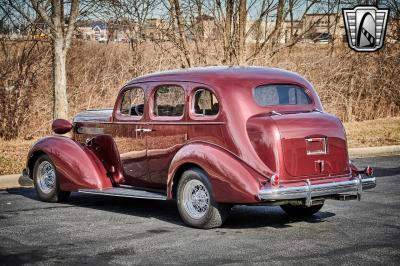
x=13, y=155
x=371, y=133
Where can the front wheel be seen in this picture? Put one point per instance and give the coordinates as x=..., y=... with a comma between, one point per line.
x=301, y=210
x=46, y=181
x=196, y=205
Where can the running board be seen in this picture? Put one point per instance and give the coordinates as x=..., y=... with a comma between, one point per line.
x=126, y=192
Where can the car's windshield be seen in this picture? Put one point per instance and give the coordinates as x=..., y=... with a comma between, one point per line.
x=267, y=95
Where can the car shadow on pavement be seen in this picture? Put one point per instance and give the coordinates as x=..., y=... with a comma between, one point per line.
x=241, y=216
x=268, y=216
x=379, y=171
x=162, y=210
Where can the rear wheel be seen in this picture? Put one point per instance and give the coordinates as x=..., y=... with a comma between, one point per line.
x=196, y=205
x=46, y=181
x=301, y=210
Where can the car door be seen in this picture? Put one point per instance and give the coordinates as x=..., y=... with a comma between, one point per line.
x=129, y=137
x=167, y=128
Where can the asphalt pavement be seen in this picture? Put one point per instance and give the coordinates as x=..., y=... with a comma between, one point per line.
x=101, y=230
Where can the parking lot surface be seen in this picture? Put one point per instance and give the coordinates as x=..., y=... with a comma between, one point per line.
x=101, y=230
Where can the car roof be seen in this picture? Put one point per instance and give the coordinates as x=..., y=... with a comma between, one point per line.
x=222, y=74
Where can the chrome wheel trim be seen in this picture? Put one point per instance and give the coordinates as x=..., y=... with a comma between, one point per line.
x=196, y=199
x=46, y=177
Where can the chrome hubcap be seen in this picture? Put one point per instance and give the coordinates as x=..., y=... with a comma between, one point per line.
x=196, y=199
x=46, y=177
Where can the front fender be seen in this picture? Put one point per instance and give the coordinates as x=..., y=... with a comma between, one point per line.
x=232, y=180
x=77, y=166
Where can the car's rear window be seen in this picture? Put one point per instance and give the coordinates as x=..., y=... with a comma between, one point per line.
x=267, y=95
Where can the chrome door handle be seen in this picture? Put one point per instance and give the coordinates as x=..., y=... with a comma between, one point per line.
x=143, y=130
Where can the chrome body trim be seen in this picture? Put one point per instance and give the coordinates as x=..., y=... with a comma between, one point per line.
x=144, y=130
x=94, y=115
x=309, y=191
x=90, y=130
x=126, y=192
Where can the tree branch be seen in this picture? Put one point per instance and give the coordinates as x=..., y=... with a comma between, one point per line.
x=74, y=13
x=42, y=12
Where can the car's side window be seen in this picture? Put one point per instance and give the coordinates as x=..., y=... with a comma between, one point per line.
x=204, y=103
x=132, y=103
x=169, y=100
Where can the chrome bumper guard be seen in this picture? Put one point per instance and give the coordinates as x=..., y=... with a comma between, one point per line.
x=309, y=191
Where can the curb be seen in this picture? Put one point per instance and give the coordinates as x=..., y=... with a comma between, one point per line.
x=374, y=151
x=14, y=181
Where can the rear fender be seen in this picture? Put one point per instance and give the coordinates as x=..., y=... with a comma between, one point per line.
x=231, y=179
x=76, y=165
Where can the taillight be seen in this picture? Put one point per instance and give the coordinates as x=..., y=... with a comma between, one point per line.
x=275, y=180
x=369, y=171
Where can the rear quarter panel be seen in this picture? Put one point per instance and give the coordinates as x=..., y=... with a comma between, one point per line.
x=232, y=180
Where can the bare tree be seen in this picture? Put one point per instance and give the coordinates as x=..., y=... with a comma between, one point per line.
x=228, y=31
x=61, y=27
x=131, y=17
x=280, y=16
x=178, y=18
x=394, y=6
x=242, y=30
x=22, y=62
x=271, y=41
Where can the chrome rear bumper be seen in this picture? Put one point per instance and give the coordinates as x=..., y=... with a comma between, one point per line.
x=309, y=191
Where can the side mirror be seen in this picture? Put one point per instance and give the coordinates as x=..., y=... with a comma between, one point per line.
x=61, y=126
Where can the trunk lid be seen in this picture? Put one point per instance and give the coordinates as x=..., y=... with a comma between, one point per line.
x=313, y=145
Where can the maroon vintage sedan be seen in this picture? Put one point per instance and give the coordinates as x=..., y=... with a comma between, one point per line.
x=207, y=138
